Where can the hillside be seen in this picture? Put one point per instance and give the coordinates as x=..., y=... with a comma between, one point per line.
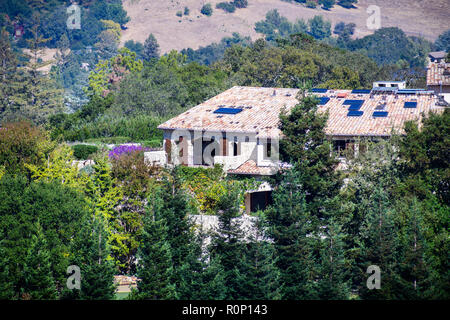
x=419, y=18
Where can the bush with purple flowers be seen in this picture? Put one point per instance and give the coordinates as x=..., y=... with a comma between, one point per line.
x=124, y=149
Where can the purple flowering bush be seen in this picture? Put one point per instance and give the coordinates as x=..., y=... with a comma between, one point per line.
x=124, y=149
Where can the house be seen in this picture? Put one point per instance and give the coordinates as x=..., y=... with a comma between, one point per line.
x=437, y=56
x=239, y=127
x=438, y=78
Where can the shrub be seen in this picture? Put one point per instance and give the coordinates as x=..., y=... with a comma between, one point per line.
x=311, y=4
x=83, y=151
x=207, y=10
x=240, y=3
x=226, y=6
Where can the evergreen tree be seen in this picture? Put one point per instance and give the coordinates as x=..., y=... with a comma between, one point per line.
x=413, y=268
x=91, y=254
x=306, y=146
x=45, y=97
x=226, y=243
x=332, y=269
x=380, y=246
x=151, y=48
x=6, y=283
x=291, y=228
x=155, y=268
x=39, y=283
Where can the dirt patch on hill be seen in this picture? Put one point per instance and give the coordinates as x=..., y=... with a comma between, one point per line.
x=420, y=18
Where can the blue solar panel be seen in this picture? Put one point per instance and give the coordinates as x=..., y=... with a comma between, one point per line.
x=380, y=114
x=354, y=113
x=319, y=90
x=410, y=91
x=354, y=106
x=353, y=102
x=228, y=110
x=359, y=91
x=410, y=104
x=323, y=100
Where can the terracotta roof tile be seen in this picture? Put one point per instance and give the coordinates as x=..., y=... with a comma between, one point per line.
x=261, y=108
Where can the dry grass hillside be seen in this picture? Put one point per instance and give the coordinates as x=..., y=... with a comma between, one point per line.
x=421, y=18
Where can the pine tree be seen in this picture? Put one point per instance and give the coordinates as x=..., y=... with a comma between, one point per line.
x=227, y=244
x=91, y=254
x=201, y=278
x=39, y=283
x=380, y=246
x=291, y=228
x=44, y=96
x=151, y=48
x=155, y=267
x=414, y=271
x=332, y=271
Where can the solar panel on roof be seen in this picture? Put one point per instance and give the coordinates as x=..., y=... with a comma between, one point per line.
x=354, y=102
x=410, y=104
x=323, y=100
x=410, y=91
x=354, y=106
x=380, y=114
x=319, y=90
x=361, y=91
x=228, y=110
x=354, y=113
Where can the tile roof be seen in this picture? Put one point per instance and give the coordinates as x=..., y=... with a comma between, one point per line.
x=435, y=74
x=262, y=106
x=438, y=54
x=250, y=167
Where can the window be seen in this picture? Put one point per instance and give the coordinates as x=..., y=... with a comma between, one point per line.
x=235, y=149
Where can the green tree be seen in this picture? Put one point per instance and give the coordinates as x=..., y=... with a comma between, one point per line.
x=6, y=283
x=290, y=226
x=155, y=267
x=151, y=48
x=306, y=146
x=90, y=252
x=443, y=41
x=39, y=283
x=319, y=28
x=207, y=9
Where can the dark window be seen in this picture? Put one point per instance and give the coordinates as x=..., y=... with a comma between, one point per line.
x=235, y=149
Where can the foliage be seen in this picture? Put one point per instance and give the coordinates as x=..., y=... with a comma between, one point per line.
x=215, y=51
x=226, y=6
x=83, y=151
x=443, y=41
x=20, y=144
x=24, y=208
x=90, y=252
x=151, y=48
x=207, y=9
